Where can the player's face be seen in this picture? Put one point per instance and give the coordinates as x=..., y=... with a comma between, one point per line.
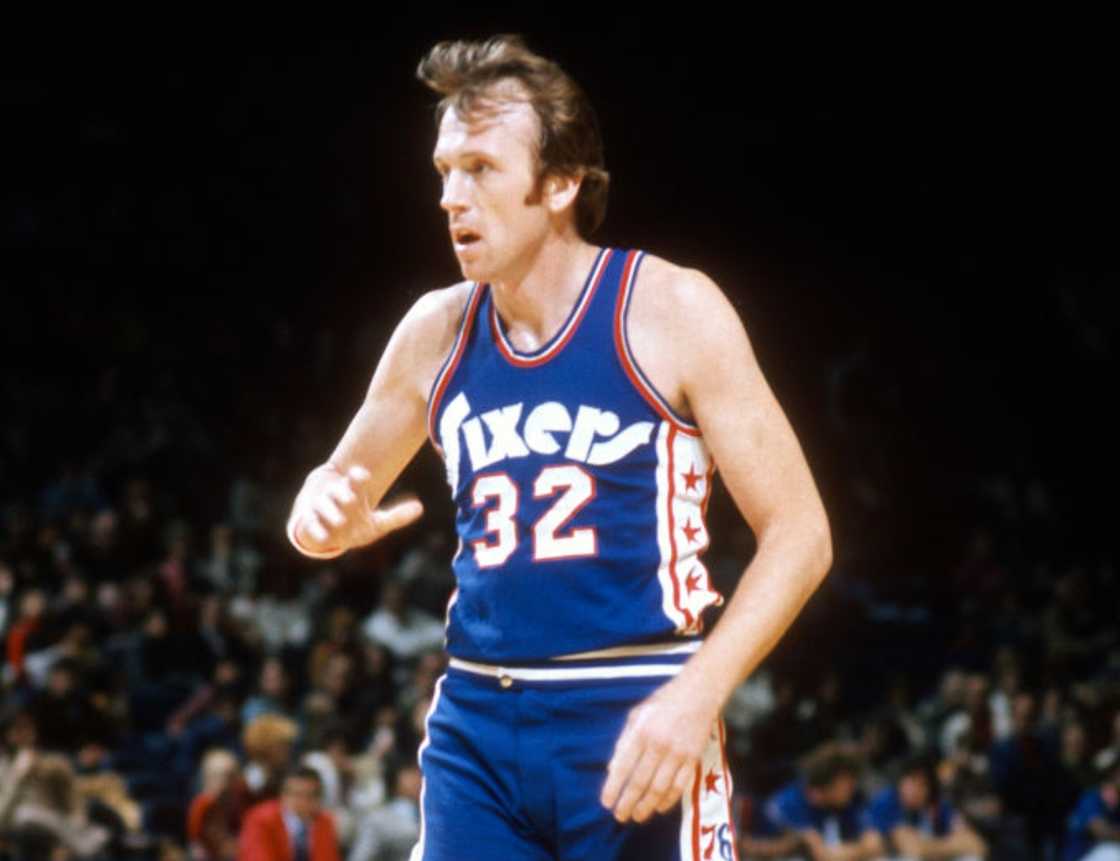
x=487, y=166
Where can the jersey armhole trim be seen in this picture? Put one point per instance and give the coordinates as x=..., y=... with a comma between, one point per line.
x=629, y=364
x=447, y=369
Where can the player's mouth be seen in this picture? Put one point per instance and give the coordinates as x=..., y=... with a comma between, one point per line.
x=464, y=239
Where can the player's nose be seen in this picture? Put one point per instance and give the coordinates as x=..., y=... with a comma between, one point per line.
x=454, y=192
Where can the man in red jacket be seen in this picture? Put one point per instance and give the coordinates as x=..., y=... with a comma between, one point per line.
x=293, y=827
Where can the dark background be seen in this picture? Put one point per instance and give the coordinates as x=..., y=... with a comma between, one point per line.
x=221, y=234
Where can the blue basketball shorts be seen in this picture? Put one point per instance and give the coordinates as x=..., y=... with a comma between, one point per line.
x=515, y=759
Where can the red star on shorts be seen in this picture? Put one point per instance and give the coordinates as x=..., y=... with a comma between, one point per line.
x=711, y=781
x=692, y=581
x=690, y=530
x=691, y=477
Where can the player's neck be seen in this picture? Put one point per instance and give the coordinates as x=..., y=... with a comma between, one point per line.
x=535, y=305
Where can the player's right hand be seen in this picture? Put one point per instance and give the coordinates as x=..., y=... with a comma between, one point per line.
x=336, y=516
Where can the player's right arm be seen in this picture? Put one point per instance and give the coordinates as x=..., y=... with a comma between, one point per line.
x=337, y=508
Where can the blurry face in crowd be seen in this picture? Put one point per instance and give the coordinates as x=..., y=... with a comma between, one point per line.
x=219, y=771
x=336, y=674
x=843, y=788
x=75, y=590
x=226, y=672
x=22, y=733
x=837, y=794
x=1022, y=712
x=274, y=681
x=7, y=579
x=32, y=604
x=155, y=625
x=1073, y=741
x=301, y=796
x=913, y=789
x=393, y=596
x=60, y=682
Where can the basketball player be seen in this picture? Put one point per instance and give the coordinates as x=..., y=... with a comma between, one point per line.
x=581, y=397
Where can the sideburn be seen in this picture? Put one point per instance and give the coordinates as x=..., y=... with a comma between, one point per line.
x=536, y=193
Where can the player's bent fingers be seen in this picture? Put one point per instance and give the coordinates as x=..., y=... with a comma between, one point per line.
x=308, y=529
x=626, y=753
x=682, y=783
x=329, y=511
x=637, y=785
x=661, y=784
x=342, y=492
x=358, y=474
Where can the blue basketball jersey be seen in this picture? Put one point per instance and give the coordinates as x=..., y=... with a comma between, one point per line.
x=580, y=494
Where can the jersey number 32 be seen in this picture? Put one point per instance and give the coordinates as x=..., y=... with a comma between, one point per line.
x=573, y=488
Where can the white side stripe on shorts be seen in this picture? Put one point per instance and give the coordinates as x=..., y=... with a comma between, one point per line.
x=544, y=673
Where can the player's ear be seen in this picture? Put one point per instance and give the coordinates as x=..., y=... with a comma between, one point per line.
x=560, y=190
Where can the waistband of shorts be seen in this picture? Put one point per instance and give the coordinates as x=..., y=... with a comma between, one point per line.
x=650, y=660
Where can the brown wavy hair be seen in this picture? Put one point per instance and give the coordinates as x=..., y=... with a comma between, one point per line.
x=570, y=144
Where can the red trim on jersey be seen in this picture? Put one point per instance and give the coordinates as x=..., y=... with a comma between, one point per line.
x=707, y=491
x=670, y=492
x=727, y=793
x=696, y=813
x=571, y=325
x=629, y=365
x=449, y=369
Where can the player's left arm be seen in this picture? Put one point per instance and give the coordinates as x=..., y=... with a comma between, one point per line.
x=766, y=473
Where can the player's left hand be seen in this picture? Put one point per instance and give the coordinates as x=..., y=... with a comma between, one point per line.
x=656, y=755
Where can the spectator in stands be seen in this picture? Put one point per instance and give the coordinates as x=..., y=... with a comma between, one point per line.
x=1075, y=640
x=332, y=760
x=1075, y=772
x=21, y=634
x=407, y=631
x=1093, y=828
x=974, y=716
x=65, y=717
x=918, y=822
x=268, y=743
x=1108, y=756
x=818, y=816
x=292, y=826
x=945, y=701
x=388, y=832
x=274, y=692
x=215, y=814
x=50, y=805
x=1023, y=768
x=231, y=566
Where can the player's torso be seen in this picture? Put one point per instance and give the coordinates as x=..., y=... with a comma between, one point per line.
x=580, y=496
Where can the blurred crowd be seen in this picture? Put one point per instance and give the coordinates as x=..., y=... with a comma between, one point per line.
x=178, y=682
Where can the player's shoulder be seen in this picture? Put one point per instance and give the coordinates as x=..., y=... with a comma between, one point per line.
x=669, y=296
x=663, y=283
x=434, y=317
